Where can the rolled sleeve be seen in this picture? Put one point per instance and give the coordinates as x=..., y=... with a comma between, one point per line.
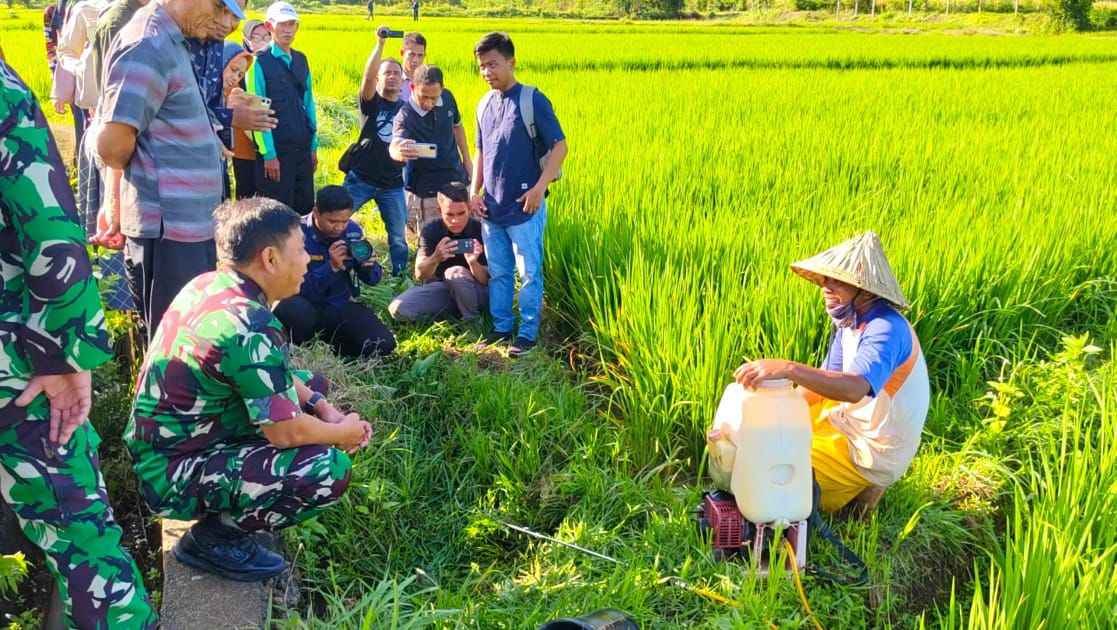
x=257, y=368
x=135, y=87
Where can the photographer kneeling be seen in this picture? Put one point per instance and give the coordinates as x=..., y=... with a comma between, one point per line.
x=450, y=262
x=339, y=257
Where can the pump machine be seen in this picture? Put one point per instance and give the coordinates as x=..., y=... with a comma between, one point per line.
x=760, y=450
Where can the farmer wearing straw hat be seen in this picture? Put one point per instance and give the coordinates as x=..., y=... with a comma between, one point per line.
x=870, y=397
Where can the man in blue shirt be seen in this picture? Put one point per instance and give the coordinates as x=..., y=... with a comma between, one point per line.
x=289, y=153
x=510, y=182
x=325, y=301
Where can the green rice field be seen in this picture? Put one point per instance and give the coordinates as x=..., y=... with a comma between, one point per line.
x=704, y=158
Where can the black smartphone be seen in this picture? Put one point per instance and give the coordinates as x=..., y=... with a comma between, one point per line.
x=465, y=246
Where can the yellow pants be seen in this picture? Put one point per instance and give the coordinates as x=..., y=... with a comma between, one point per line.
x=838, y=478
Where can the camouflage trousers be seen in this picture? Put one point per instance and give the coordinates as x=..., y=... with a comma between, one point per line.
x=59, y=496
x=256, y=486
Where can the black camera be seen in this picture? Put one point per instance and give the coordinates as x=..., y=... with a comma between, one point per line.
x=359, y=250
x=386, y=32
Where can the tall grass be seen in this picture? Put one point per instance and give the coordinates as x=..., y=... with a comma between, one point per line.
x=1056, y=567
x=995, y=211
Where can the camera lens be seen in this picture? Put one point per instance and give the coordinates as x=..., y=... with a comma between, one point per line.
x=359, y=249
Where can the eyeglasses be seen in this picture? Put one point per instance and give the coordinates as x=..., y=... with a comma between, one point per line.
x=260, y=37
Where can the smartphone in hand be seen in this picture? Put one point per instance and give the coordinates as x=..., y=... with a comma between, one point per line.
x=464, y=246
x=426, y=150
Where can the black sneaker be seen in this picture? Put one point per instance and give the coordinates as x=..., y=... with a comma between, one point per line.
x=227, y=552
x=521, y=347
x=494, y=338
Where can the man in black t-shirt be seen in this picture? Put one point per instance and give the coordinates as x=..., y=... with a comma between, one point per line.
x=373, y=174
x=428, y=134
x=450, y=263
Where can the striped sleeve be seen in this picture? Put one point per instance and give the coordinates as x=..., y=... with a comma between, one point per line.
x=135, y=86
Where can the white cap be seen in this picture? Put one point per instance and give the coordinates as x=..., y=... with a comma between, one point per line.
x=280, y=12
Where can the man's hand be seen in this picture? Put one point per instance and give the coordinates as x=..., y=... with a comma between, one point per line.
x=477, y=206
x=70, y=397
x=59, y=107
x=339, y=253
x=478, y=249
x=753, y=372
x=271, y=169
x=407, y=149
x=247, y=116
x=108, y=216
x=108, y=229
x=314, y=160
x=380, y=41
x=358, y=433
x=445, y=249
x=532, y=199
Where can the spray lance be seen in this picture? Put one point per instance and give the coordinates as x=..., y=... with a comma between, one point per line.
x=672, y=580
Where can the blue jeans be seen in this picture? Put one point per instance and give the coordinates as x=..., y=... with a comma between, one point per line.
x=511, y=249
x=393, y=211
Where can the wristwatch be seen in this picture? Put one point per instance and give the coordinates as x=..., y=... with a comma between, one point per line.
x=312, y=402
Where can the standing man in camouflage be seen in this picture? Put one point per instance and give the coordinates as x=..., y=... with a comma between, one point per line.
x=52, y=333
x=222, y=430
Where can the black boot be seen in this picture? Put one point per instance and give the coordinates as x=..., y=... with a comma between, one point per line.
x=214, y=547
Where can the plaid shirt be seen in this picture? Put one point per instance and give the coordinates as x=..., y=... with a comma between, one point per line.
x=173, y=181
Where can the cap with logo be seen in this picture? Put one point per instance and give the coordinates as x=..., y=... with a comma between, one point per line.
x=280, y=12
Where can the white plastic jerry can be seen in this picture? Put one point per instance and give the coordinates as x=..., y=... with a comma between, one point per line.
x=771, y=436
x=719, y=439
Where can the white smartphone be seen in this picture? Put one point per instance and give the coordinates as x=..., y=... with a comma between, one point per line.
x=426, y=150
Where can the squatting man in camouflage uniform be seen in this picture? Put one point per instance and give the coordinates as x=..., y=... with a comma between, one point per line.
x=222, y=430
x=52, y=333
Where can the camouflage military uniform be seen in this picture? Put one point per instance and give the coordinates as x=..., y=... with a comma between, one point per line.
x=215, y=372
x=52, y=323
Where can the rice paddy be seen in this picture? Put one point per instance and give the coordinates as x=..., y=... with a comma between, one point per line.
x=705, y=159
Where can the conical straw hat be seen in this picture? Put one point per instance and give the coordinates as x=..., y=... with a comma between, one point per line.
x=861, y=262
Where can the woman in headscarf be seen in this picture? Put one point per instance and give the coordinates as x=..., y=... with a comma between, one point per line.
x=870, y=397
x=237, y=61
x=256, y=36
